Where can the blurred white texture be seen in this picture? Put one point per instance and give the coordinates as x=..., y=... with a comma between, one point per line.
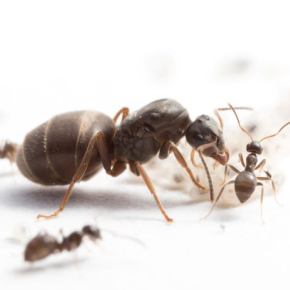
x=64, y=55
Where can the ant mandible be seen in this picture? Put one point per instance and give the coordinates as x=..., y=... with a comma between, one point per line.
x=246, y=181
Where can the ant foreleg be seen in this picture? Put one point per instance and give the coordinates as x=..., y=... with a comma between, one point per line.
x=241, y=158
x=170, y=146
x=226, y=171
x=261, y=165
x=192, y=160
x=217, y=199
x=118, y=168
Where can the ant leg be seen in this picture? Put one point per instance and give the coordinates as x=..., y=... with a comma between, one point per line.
x=118, y=168
x=192, y=160
x=216, y=163
x=124, y=112
x=217, y=199
x=106, y=160
x=273, y=185
x=225, y=175
x=241, y=158
x=150, y=186
x=200, y=149
x=261, y=165
x=182, y=162
x=262, y=196
x=226, y=170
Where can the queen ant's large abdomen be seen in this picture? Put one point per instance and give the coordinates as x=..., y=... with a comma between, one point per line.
x=52, y=152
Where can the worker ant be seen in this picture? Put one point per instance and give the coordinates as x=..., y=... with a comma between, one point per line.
x=74, y=146
x=44, y=245
x=9, y=151
x=246, y=181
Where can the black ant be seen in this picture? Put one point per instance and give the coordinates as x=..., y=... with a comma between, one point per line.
x=44, y=245
x=246, y=181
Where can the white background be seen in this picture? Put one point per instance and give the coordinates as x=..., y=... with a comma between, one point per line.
x=58, y=56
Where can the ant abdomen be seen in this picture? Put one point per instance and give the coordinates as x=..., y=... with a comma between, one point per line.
x=52, y=152
x=41, y=247
x=245, y=185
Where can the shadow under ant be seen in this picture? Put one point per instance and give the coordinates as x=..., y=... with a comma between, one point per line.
x=43, y=198
x=62, y=264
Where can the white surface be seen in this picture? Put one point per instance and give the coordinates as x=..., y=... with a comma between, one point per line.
x=103, y=55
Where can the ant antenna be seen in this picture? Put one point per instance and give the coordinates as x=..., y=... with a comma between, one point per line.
x=276, y=133
x=240, y=123
x=200, y=149
x=216, y=112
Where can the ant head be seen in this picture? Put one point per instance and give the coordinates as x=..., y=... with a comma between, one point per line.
x=205, y=130
x=255, y=147
x=92, y=232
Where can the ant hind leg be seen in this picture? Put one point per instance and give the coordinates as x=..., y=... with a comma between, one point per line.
x=106, y=160
x=262, y=196
x=269, y=177
x=217, y=199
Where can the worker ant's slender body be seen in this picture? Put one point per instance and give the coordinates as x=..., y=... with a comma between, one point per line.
x=74, y=146
x=44, y=245
x=246, y=181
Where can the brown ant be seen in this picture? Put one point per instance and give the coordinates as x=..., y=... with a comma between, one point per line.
x=9, y=151
x=246, y=181
x=75, y=146
x=44, y=245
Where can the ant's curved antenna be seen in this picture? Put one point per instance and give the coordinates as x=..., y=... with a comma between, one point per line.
x=216, y=112
x=240, y=123
x=270, y=136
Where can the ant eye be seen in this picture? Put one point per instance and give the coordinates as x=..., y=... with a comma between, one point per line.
x=199, y=137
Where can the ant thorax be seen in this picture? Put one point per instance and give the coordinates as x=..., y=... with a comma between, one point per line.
x=251, y=162
x=134, y=143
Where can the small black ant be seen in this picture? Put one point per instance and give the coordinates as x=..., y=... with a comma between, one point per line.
x=44, y=245
x=246, y=181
